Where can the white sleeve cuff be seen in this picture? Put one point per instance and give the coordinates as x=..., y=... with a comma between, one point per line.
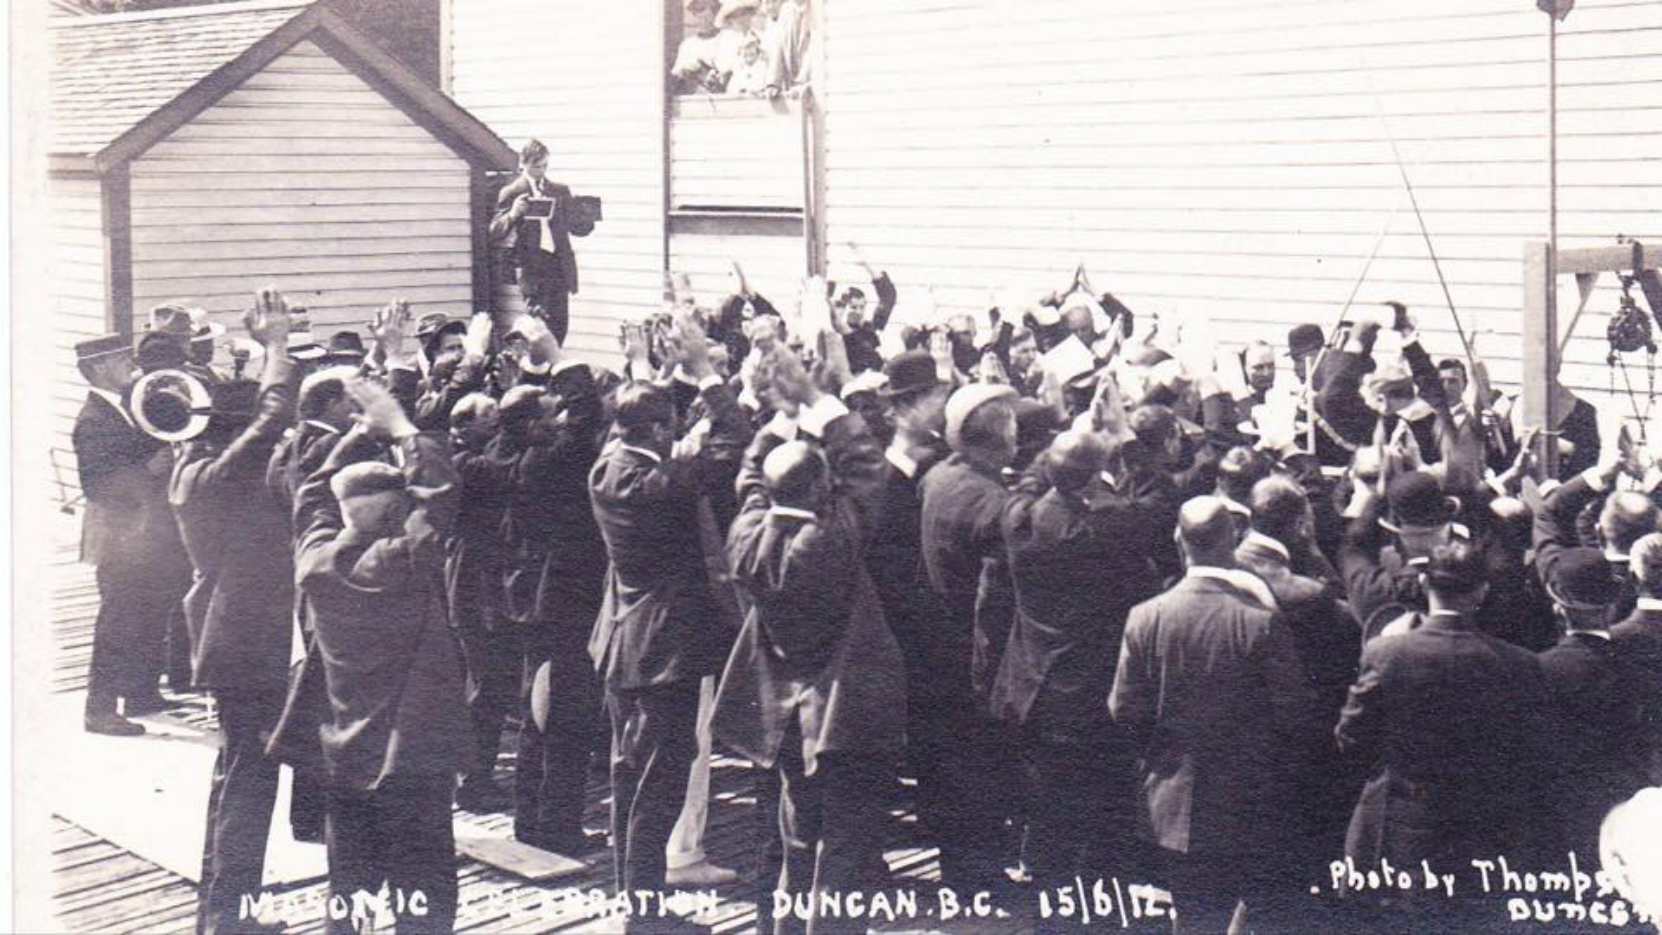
x=1651, y=480
x=1594, y=479
x=825, y=410
x=713, y=379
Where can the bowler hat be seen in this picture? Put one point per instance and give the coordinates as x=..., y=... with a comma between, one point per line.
x=346, y=347
x=1582, y=579
x=1415, y=501
x=909, y=373
x=1304, y=339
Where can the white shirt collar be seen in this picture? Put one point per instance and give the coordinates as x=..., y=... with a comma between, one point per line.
x=792, y=512
x=1650, y=603
x=1254, y=537
x=1245, y=580
x=646, y=453
x=114, y=399
x=903, y=462
x=323, y=425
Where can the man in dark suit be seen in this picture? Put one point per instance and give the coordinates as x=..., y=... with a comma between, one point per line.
x=964, y=556
x=241, y=608
x=1411, y=395
x=112, y=457
x=1594, y=693
x=555, y=429
x=1434, y=712
x=371, y=563
x=1079, y=554
x=1209, y=688
x=1328, y=642
x=1623, y=516
x=541, y=248
x=1639, y=640
x=814, y=687
x=658, y=631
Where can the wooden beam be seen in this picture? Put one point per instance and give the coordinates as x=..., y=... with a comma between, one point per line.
x=117, y=221
x=481, y=203
x=1540, y=351
x=1629, y=256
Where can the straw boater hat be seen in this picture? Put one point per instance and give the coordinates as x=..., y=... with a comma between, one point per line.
x=964, y=402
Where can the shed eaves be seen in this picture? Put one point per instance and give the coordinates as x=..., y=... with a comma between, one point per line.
x=111, y=72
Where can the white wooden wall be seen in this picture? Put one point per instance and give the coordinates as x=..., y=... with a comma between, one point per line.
x=307, y=178
x=76, y=277
x=1227, y=160
x=586, y=78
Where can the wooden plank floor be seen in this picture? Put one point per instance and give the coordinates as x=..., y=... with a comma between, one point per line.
x=102, y=888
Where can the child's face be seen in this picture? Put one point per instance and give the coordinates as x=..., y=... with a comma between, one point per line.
x=537, y=168
x=752, y=51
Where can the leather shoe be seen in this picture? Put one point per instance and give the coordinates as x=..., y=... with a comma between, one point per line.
x=702, y=875
x=111, y=724
x=564, y=845
x=141, y=705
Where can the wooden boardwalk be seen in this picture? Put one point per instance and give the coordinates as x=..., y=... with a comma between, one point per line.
x=99, y=887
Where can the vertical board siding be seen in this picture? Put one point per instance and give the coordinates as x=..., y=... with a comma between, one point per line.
x=76, y=274
x=305, y=178
x=587, y=78
x=1229, y=163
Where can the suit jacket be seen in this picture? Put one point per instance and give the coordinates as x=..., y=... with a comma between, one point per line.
x=240, y=609
x=1208, y=684
x=1078, y=565
x=894, y=557
x=1639, y=640
x=393, y=670
x=477, y=554
x=1435, y=713
x=111, y=456
x=527, y=233
x=658, y=620
x=963, y=552
x=1594, y=692
x=1555, y=532
x=1326, y=635
x=1340, y=402
x=814, y=649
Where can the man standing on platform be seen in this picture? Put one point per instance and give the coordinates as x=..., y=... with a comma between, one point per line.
x=111, y=455
x=658, y=633
x=541, y=216
x=241, y=608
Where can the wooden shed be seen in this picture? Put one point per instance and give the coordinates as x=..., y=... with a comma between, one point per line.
x=1232, y=161
x=199, y=153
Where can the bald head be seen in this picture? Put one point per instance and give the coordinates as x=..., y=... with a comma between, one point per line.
x=795, y=475
x=1645, y=560
x=1627, y=515
x=1207, y=532
x=1074, y=458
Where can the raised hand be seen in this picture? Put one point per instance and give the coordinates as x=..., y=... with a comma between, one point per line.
x=477, y=340
x=268, y=320
x=790, y=378
x=378, y=412
x=687, y=344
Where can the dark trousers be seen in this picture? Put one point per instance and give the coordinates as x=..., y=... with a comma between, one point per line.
x=552, y=773
x=969, y=784
x=493, y=659
x=831, y=824
x=540, y=284
x=654, y=741
x=129, y=634
x=1213, y=893
x=240, y=804
x=399, y=835
x=1080, y=820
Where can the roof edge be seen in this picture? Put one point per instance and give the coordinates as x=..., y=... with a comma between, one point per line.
x=435, y=112
x=144, y=16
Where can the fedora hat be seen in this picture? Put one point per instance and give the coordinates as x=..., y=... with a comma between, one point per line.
x=909, y=373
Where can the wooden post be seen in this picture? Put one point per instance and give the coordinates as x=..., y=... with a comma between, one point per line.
x=1540, y=352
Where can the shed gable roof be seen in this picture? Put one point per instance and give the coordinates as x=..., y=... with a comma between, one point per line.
x=122, y=82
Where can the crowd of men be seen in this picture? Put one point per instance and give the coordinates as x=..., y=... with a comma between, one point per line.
x=1110, y=599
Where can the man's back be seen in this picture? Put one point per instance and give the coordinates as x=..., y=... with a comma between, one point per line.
x=1209, y=682
x=1442, y=712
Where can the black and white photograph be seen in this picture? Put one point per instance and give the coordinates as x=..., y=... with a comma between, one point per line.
x=796, y=467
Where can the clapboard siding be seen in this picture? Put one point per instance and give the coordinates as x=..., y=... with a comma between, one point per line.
x=585, y=77
x=1229, y=161
x=773, y=259
x=305, y=178
x=735, y=153
x=76, y=274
